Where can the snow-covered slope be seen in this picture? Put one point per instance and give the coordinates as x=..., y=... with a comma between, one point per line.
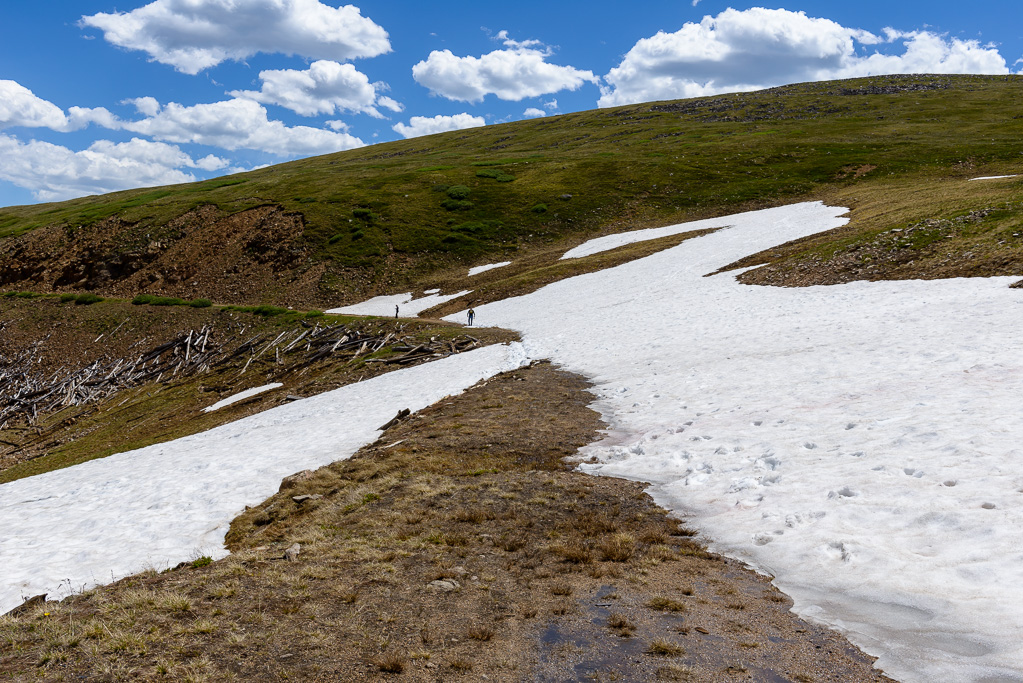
x=408, y=307
x=157, y=506
x=861, y=442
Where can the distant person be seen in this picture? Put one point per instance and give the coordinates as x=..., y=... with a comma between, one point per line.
x=472, y=316
x=395, y=310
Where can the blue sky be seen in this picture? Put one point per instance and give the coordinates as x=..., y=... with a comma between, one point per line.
x=97, y=96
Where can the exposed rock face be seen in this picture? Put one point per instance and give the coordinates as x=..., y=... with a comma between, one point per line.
x=252, y=256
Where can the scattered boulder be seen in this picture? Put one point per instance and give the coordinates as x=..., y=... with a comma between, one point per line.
x=299, y=500
x=292, y=480
x=443, y=585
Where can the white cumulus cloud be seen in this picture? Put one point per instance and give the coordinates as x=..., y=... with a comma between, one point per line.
x=534, y=113
x=325, y=87
x=519, y=71
x=757, y=48
x=53, y=172
x=192, y=35
x=422, y=125
x=236, y=124
x=19, y=106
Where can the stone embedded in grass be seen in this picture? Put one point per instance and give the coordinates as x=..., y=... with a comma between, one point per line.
x=443, y=585
x=291, y=554
x=304, y=498
x=292, y=479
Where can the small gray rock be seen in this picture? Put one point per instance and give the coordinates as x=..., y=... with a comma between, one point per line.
x=305, y=498
x=293, y=479
x=444, y=585
x=291, y=554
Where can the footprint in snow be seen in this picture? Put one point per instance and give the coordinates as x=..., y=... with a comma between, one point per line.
x=764, y=538
x=916, y=474
x=801, y=519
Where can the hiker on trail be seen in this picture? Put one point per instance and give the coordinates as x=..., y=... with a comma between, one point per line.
x=395, y=310
x=472, y=314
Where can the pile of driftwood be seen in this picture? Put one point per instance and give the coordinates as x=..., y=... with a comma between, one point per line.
x=25, y=394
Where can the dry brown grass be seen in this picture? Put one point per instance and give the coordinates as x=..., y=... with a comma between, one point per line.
x=617, y=548
x=663, y=604
x=391, y=662
x=621, y=625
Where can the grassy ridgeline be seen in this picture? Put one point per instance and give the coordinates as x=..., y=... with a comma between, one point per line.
x=487, y=193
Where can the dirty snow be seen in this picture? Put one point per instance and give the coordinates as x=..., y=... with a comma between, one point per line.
x=407, y=306
x=157, y=506
x=994, y=177
x=241, y=396
x=476, y=270
x=862, y=443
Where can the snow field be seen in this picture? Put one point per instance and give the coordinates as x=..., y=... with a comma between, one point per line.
x=408, y=307
x=154, y=507
x=861, y=442
x=476, y=270
x=241, y=396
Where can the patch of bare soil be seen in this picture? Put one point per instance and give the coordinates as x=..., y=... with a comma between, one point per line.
x=457, y=547
x=255, y=256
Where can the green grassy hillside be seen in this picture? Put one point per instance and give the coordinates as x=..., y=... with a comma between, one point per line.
x=395, y=214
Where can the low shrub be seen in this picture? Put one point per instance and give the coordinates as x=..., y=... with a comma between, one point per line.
x=458, y=192
x=539, y=208
x=456, y=205
x=268, y=311
x=153, y=300
x=496, y=174
x=364, y=214
x=64, y=298
x=336, y=238
x=87, y=299
x=200, y=303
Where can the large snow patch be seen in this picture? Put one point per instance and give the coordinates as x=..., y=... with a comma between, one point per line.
x=156, y=506
x=863, y=443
